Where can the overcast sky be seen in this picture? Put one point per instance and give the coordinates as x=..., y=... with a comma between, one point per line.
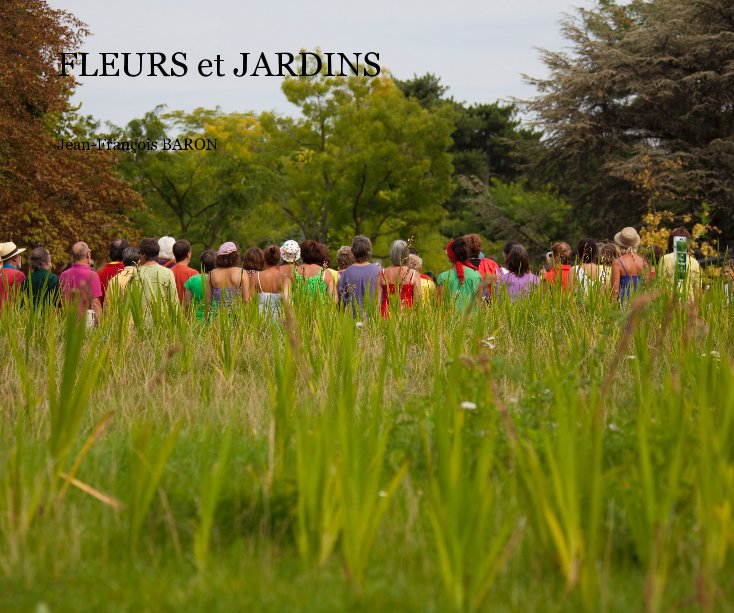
x=479, y=48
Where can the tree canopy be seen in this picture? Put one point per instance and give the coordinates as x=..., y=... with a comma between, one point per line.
x=639, y=114
x=47, y=196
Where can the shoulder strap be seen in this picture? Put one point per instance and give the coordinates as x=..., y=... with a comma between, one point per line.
x=259, y=285
x=626, y=274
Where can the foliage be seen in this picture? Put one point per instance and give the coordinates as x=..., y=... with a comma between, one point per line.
x=425, y=461
x=362, y=159
x=645, y=93
x=47, y=196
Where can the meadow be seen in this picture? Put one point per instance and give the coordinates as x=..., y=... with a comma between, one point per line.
x=555, y=454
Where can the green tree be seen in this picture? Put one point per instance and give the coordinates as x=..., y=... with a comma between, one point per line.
x=203, y=195
x=362, y=159
x=640, y=112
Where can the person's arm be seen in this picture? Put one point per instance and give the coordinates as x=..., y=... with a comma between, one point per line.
x=97, y=308
x=208, y=292
x=187, y=300
x=330, y=286
x=616, y=274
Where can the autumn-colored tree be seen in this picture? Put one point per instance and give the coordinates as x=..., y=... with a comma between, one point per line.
x=48, y=196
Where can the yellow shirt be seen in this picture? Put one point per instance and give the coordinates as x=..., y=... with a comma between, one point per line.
x=693, y=272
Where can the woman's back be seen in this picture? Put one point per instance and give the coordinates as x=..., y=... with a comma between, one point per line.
x=226, y=284
x=628, y=272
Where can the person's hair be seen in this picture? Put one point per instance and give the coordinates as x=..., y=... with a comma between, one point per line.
x=398, y=252
x=39, y=258
x=678, y=232
x=561, y=251
x=271, y=255
x=430, y=275
x=253, y=259
x=314, y=252
x=130, y=256
x=415, y=262
x=208, y=259
x=181, y=249
x=228, y=260
x=608, y=253
x=344, y=257
x=518, y=261
x=461, y=249
x=508, y=247
x=412, y=251
x=729, y=265
x=361, y=248
x=474, y=244
x=79, y=251
x=149, y=248
x=117, y=246
x=586, y=251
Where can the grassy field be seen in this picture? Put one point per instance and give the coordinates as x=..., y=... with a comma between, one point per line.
x=555, y=454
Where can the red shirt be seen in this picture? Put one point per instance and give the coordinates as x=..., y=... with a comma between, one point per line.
x=10, y=281
x=105, y=273
x=550, y=276
x=182, y=273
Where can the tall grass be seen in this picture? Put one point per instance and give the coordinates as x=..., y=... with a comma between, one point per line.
x=552, y=453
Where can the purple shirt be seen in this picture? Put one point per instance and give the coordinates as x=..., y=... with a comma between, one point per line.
x=516, y=287
x=357, y=281
x=79, y=282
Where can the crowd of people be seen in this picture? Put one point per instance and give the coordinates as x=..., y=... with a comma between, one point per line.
x=161, y=269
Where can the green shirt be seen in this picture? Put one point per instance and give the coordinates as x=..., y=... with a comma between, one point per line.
x=44, y=287
x=195, y=286
x=461, y=294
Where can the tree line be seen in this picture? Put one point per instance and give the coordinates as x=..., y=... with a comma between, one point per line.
x=637, y=118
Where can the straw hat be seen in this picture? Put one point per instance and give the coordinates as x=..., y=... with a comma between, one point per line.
x=290, y=251
x=627, y=238
x=9, y=250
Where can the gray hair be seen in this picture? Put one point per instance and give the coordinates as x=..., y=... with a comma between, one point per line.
x=130, y=256
x=344, y=257
x=398, y=252
x=39, y=258
x=361, y=248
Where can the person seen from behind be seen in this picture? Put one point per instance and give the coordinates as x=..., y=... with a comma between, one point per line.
x=681, y=268
x=182, y=272
x=608, y=252
x=428, y=285
x=460, y=283
x=158, y=283
x=114, y=265
x=227, y=285
x=360, y=282
x=585, y=274
x=41, y=286
x=195, y=286
x=518, y=281
x=629, y=270
x=80, y=284
x=312, y=279
x=118, y=284
x=270, y=285
x=399, y=279
x=11, y=277
x=560, y=270
x=165, y=252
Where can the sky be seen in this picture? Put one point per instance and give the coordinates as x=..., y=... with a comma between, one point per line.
x=479, y=48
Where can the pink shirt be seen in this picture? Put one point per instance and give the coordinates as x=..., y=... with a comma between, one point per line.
x=80, y=283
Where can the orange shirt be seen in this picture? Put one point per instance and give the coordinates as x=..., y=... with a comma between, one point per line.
x=182, y=273
x=550, y=276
